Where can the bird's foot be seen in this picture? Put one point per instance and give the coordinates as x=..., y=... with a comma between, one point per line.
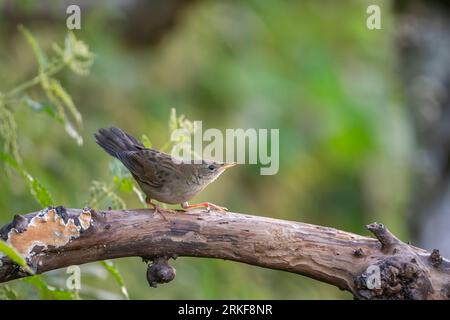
x=206, y=205
x=157, y=209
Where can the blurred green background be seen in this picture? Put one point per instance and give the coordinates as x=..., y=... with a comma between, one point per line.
x=310, y=68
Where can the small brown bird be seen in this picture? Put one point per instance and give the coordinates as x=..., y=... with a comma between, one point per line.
x=159, y=177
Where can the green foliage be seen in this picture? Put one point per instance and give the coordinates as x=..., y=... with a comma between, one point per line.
x=8, y=293
x=12, y=254
x=124, y=184
x=146, y=141
x=45, y=291
x=40, y=56
x=8, y=131
x=60, y=105
x=40, y=193
x=59, y=97
x=102, y=193
x=181, y=130
x=48, y=292
x=42, y=107
x=9, y=159
x=112, y=269
x=180, y=122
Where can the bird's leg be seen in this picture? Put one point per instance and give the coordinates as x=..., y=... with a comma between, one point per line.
x=156, y=208
x=207, y=205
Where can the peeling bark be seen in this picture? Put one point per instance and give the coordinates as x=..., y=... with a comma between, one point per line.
x=339, y=258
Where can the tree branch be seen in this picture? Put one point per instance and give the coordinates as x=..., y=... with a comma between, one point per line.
x=370, y=269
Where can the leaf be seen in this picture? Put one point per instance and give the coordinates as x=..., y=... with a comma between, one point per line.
x=49, y=292
x=40, y=56
x=60, y=98
x=146, y=141
x=61, y=93
x=9, y=160
x=100, y=192
x=77, y=54
x=42, y=107
x=8, y=132
x=7, y=293
x=57, y=49
x=40, y=193
x=112, y=269
x=118, y=169
x=124, y=184
x=12, y=254
x=121, y=176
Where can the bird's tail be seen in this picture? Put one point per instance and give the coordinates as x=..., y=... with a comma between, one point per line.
x=116, y=141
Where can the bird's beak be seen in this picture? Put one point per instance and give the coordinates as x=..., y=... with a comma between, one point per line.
x=228, y=165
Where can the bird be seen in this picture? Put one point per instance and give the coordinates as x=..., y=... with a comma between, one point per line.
x=160, y=176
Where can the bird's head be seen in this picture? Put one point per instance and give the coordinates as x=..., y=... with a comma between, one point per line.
x=209, y=171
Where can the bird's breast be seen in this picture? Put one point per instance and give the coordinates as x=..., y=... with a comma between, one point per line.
x=173, y=192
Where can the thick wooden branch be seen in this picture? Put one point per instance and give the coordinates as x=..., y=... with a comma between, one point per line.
x=369, y=268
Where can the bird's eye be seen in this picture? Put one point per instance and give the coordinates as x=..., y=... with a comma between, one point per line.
x=211, y=167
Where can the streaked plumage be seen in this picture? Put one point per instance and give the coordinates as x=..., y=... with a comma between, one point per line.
x=159, y=177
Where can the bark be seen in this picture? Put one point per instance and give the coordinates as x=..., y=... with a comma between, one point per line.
x=382, y=268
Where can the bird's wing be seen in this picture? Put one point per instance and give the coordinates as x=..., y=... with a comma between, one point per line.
x=144, y=165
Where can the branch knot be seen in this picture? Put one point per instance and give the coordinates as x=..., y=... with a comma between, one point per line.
x=159, y=271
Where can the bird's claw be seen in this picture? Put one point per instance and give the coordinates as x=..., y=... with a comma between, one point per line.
x=207, y=205
x=216, y=207
x=157, y=209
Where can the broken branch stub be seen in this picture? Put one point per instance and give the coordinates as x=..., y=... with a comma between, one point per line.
x=403, y=272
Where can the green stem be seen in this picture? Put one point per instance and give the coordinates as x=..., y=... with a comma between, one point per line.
x=36, y=80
